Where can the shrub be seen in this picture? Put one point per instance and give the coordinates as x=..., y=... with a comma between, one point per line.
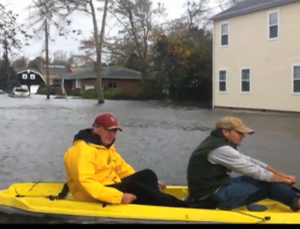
x=90, y=94
x=60, y=97
x=109, y=93
x=74, y=93
x=42, y=90
x=114, y=93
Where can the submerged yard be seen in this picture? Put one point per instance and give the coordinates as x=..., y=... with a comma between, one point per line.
x=36, y=132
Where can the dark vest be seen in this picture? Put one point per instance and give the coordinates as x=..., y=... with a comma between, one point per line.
x=203, y=177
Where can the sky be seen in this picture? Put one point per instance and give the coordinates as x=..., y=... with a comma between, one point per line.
x=81, y=22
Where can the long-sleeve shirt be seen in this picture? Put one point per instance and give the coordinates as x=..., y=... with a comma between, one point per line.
x=239, y=163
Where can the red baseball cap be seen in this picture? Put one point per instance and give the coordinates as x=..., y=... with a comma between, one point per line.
x=108, y=121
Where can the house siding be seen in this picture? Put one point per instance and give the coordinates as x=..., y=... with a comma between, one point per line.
x=128, y=86
x=51, y=77
x=37, y=79
x=270, y=61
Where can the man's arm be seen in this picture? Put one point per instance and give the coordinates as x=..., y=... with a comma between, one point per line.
x=265, y=166
x=233, y=160
x=82, y=163
x=255, y=161
x=122, y=168
x=271, y=169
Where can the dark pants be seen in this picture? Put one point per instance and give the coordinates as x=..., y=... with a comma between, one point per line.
x=144, y=185
x=245, y=190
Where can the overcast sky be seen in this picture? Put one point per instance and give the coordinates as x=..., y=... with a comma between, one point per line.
x=81, y=22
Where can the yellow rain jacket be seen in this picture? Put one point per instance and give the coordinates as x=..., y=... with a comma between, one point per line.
x=90, y=166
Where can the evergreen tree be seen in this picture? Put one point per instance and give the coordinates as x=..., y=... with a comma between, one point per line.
x=8, y=75
x=8, y=78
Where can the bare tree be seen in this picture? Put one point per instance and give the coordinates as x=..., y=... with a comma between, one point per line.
x=60, y=57
x=99, y=44
x=9, y=29
x=63, y=8
x=225, y=4
x=88, y=45
x=197, y=13
x=140, y=24
x=20, y=62
x=47, y=14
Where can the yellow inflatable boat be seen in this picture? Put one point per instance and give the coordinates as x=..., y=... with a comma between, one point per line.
x=35, y=199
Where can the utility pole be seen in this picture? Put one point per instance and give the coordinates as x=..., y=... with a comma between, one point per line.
x=47, y=57
x=7, y=89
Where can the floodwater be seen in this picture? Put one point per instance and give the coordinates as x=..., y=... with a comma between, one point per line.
x=35, y=132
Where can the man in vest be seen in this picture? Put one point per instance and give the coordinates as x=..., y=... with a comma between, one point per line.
x=212, y=161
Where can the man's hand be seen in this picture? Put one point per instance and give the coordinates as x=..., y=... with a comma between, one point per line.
x=291, y=178
x=281, y=174
x=281, y=179
x=161, y=185
x=127, y=198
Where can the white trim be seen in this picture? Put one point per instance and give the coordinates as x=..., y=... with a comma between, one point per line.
x=250, y=80
x=268, y=25
x=292, y=79
x=226, y=81
x=24, y=76
x=32, y=76
x=88, y=87
x=220, y=37
x=78, y=83
x=29, y=70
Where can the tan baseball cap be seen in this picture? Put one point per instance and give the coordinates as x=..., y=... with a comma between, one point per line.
x=232, y=123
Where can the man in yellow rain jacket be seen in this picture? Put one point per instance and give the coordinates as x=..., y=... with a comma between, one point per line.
x=96, y=172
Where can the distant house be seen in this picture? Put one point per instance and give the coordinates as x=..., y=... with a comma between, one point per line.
x=54, y=71
x=31, y=78
x=257, y=56
x=34, y=77
x=122, y=78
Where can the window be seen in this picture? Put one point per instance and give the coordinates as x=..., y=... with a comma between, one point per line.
x=57, y=82
x=245, y=80
x=222, y=81
x=77, y=84
x=24, y=76
x=112, y=85
x=296, y=79
x=224, y=34
x=32, y=76
x=88, y=87
x=273, y=25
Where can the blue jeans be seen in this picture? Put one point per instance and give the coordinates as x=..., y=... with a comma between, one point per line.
x=246, y=190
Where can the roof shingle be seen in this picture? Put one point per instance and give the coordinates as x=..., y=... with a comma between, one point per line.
x=107, y=72
x=249, y=6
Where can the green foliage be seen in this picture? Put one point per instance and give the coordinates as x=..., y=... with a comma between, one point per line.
x=183, y=63
x=109, y=93
x=8, y=83
x=60, y=97
x=114, y=93
x=74, y=93
x=133, y=62
x=42, y=90
x=90, y=94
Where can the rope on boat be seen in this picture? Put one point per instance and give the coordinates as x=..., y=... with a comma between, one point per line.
x=261, y=219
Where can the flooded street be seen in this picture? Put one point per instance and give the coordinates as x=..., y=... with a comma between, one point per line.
x=35, y=134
